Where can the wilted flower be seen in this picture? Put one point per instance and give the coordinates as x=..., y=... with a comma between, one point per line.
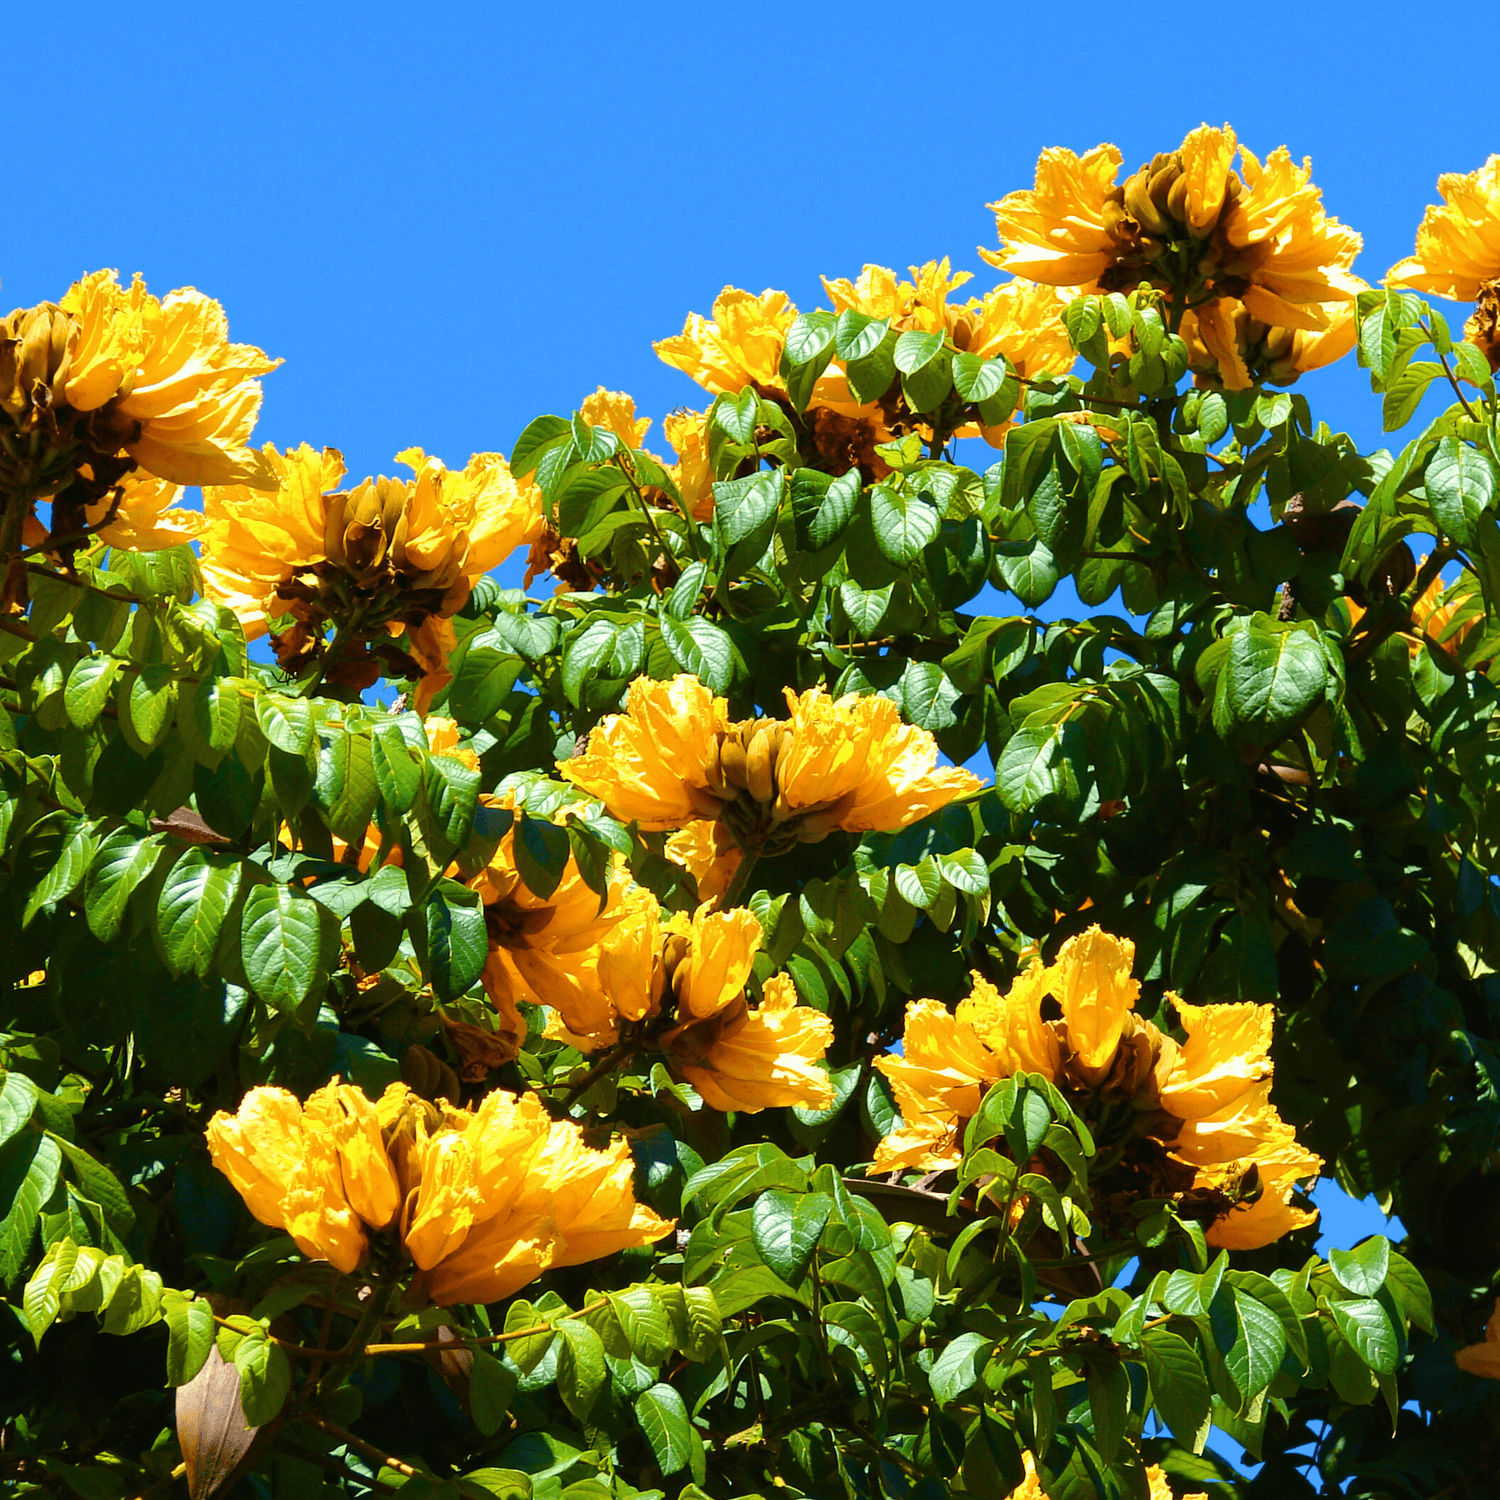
x=385, y=555
x=1205, y=1100
x=1484, y=1359
x=482, y=1201
x=849, y=763
x=1215, y=241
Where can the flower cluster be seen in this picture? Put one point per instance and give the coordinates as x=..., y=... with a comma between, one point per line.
x=1030, y=1488
x=1198, y=1118
x=384, y=556
x=624, y=973
x=1257, y=275
x=1458, y=252
x=741, y=347
x=112, y=400
x=673, y=759
x=481, y=1202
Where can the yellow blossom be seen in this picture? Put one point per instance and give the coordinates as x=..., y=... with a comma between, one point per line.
x=707, y=851
x=687, y=432
x=313, y=1172
x=740, y=345
x=1458, y=243
x=147, y=517
x=1030, y=1487
x=920, y=304
x=853, y=763
x=545, y=950
x=763, y=1057
x=1484, y=1359
x=167, y=368
x=482, y=1201
x=653, y=763
x=1205, y=1100
x=615, y=411
x=1221, y=244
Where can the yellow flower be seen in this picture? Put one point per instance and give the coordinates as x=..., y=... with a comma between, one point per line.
x=258, y=538
x=147, y=518
x=1484, y=1359
x=546, y=950
x=1458, y=243
x=1030, y=1488
x=1224, y=337
x=712, y=973
x=707, y=851
x=852, y=763
x=921, y=303
x=741, y=345
x=939, y=1080
x=168, y=370
x=687, y=432
x=615, y=411
x=653, y=764
x=319, y=1173
x=1219, y=243
x=386, y=556
x=1206, y=1101
x=482, y=1201
x=1061, y=231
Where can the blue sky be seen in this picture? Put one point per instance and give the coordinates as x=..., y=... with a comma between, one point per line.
x=448, y=218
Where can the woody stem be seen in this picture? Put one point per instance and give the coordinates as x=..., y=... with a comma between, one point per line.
x=606, y=1064
x=741, y=878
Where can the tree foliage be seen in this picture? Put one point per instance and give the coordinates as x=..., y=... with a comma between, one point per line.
x=1264, y=756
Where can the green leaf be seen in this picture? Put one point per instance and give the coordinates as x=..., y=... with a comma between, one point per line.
x=1404, y=394
x=1271, y=676
x=704, y=1321
x=145, y=701
x=857, y=336
x=1365, y=1325
x=1256, y=1354
x=526, y=1353
x=66, y=871
x=540, y=435
x=1028, y=569
x=124, y=860
x=914, y=350
x=29, y=1167
x=287, y=723
x=664, y=1419
x=735, y=414
x=905, y=522
x=700, y=647
x=398, y=769
x=450, y=792
x=191, y=910
x=927, y=697
x=481, y=681
x=956, y=1369
x=785, y=1228
x=977, y=379
x=190, y=1335
x=287, y=944
x=542, y=852
x=457, y=944
x=581, y=1370
x=1039, y=762
x=1460, y=483
x=807, y=338
x=265, y=1377
x=18, y=1096
x=1109, y=1405
x=491, y=1390
x=88, y=688
x=1179, y=1387
x=1362, y=1270
x=837, y=507
x=210, y=718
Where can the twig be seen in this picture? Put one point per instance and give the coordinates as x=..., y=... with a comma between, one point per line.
x=163, y=1483
x=606, y=1064
x=333, y=1466
x=386, y=1460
